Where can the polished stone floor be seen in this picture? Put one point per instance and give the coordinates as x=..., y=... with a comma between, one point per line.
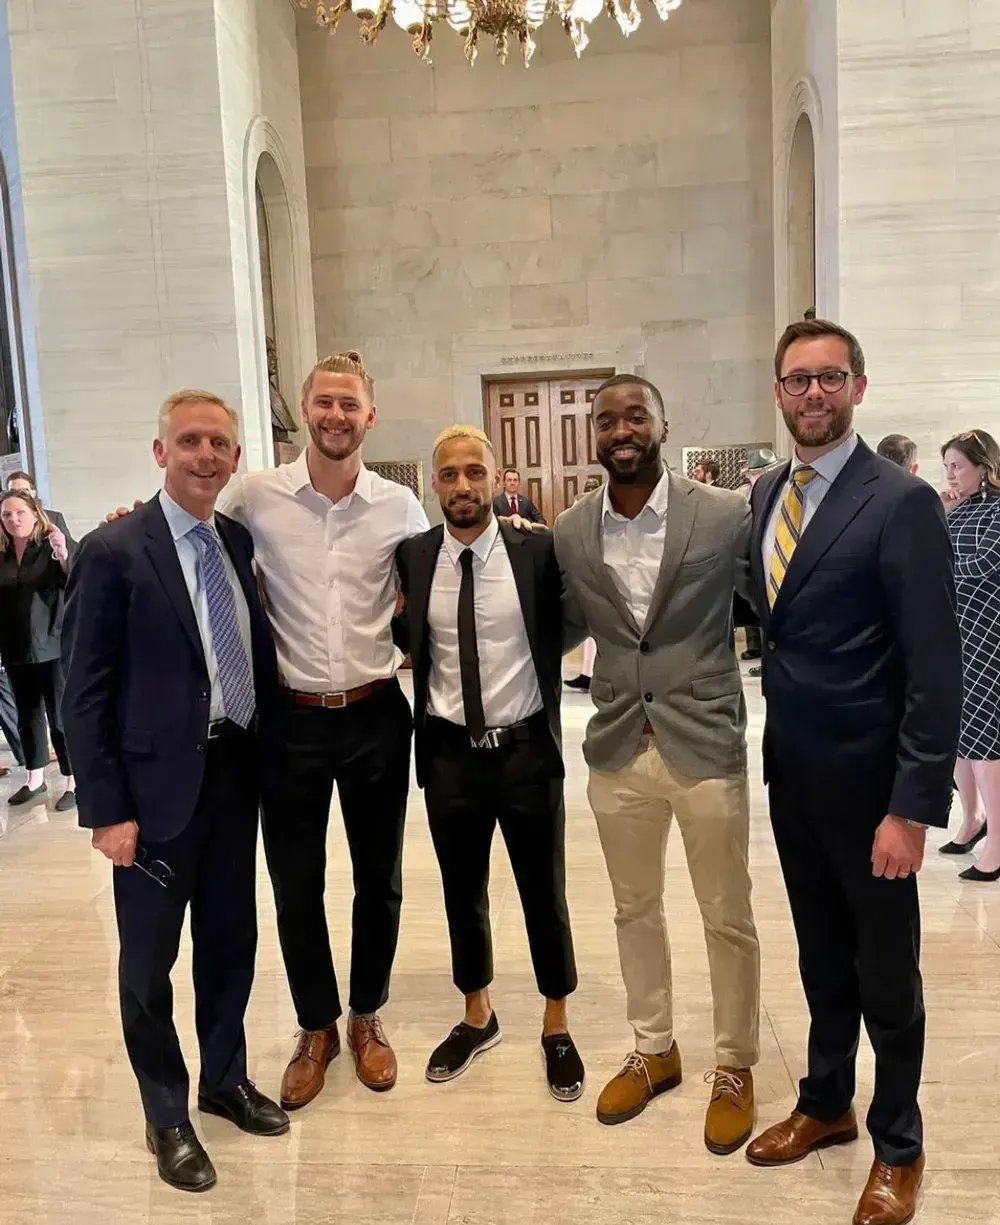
x=491, y=1148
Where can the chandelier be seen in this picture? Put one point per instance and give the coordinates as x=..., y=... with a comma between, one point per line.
x=501, y=20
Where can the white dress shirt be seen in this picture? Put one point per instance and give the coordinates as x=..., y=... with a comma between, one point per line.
x=633, y=548
x=507, y=674
x=828, y=467
x=327, y=571
x=181, y=523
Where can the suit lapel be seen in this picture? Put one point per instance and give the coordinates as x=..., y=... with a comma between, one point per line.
x=844, y=499
x=522, y=563
x=245, y=575
x=681, y=512
x=163, y=553
x=421, y=581
x=593, y=550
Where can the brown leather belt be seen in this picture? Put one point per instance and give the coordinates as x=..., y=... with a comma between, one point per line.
x=335, y=701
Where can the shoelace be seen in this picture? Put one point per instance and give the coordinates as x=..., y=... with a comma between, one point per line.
x=726, y=1084
x=636, y=1062
x=371, y=1030
x=303, y=1044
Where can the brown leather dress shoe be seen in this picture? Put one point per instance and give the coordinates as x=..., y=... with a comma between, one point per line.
x=798, y=1136
x=890, y=1198
x=373, y=1056
x=305, y=1075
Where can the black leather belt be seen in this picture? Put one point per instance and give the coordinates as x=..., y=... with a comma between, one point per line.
x=495, y=738
x=225, y=729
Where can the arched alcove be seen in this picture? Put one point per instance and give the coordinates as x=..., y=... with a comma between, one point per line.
x=802, y=220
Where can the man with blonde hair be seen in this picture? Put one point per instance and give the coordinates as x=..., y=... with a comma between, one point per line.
x=171, y=682
x=487, y=646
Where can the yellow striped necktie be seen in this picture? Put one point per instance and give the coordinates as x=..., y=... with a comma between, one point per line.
x=788, y=529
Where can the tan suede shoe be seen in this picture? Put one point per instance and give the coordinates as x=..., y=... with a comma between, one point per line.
x=635, y=1086
x=731, y=1112
x=890, y=1198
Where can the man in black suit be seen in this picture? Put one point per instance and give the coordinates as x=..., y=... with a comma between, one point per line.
x=509, y=501
x=486, y=638
x=170, y=671
x=852, y=574
x=24, y=482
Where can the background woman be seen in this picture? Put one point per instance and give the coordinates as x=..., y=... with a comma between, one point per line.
x=972, y=467
x=33, y=563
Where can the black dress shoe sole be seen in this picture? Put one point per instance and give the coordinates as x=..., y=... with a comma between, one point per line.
x=207, y=1107
x=181, y=1186
x=610, y=1120
x=842, y=1137
x=442, y=1078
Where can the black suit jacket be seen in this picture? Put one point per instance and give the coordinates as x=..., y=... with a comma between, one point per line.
x=137, y=702
x=58, y=520
x=525, y=508
x=552, y=627
x=862, y=654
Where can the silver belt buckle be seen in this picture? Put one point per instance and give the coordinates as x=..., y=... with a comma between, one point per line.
x=490, y=741
x=215, y=729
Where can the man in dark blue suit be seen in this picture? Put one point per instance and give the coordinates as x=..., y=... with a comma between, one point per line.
x=170, y=671
x=852, y=575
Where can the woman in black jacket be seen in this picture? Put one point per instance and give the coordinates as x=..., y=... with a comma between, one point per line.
x=33, y=562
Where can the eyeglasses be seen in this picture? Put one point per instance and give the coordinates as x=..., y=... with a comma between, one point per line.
x=828, y=380
x=155, y=869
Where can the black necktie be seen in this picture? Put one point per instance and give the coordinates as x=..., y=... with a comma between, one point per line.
x=468, y=652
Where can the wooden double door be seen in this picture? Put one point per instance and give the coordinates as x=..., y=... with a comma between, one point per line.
x=543, y=427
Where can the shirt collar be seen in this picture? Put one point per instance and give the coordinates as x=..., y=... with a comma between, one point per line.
x=298, y=473
x=178, y=519
x=656, y=502
x=482, y=546
x=830, y=465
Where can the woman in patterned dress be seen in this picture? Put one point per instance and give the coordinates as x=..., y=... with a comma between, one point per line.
x=972, y=466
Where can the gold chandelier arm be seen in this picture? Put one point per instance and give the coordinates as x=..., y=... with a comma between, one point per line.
x=370, y=30
x=471, y=42
x=422, y=41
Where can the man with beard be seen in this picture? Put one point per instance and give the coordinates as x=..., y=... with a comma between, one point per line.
x=853, y=577
x=487, y=641
x=652, y=560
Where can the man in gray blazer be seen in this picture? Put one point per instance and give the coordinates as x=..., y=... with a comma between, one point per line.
x=652, y=560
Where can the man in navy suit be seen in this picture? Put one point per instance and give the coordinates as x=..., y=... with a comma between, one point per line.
x=170, y=671
x=510, y=501
x=853, y=578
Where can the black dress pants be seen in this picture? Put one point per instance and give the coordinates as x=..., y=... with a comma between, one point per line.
x=8, y=719
x=364, y=749
x=859, y=959
x=38, y=691
x=468, y=793
x=213, y=865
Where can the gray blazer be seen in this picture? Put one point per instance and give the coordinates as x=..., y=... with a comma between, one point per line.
x=680, y=672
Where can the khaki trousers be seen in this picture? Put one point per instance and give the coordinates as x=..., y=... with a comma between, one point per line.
x=634, y=808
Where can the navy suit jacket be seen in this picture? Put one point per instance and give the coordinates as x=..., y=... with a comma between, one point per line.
x=137, y=701
x=862, y=666
x=525, y=508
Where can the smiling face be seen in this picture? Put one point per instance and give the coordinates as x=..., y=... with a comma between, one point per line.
x=819, y=419
x=18, y=518
x=629, y=430
x=338, y=412
x=465, y=479
x=199, y=453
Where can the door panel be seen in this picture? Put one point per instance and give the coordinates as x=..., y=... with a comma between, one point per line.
x=519, y=431
x=573, y=455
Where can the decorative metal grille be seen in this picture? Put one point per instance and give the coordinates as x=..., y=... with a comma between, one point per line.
x=732, y=461
x=408, y=472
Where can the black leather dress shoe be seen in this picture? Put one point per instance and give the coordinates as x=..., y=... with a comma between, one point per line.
x=180, y=1158
x=563, y=1067
x=250, y=1110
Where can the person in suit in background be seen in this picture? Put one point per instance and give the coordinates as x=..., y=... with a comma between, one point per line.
x=487, y=642
x=652, y=561
x=24, y=482
x=853, y=575
x=899, y=450
x=705, y=472
x=170, y=674
x=510, y=501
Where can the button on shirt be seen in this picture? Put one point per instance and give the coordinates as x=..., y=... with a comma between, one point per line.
x=633, y=549
x=828, y=467
x=180, y=524
x=506, y=670
x=327, y=571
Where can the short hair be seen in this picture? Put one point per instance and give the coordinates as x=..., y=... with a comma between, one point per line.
x=192, y=395
x=809, y=329
x=43, y=524
x=898, y=449
x=21, y=475
x=632, y=380
x=349, y=362
x=508, y=471
x=461, y=431
x=709, y=466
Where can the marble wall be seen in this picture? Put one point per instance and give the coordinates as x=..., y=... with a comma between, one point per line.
x=619, y=207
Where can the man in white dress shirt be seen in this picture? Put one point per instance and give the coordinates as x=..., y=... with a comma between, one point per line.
x=486, y=638
x=653, y=560
x=325, y=531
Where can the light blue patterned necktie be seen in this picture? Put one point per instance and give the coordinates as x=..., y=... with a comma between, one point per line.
x=235, y=677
